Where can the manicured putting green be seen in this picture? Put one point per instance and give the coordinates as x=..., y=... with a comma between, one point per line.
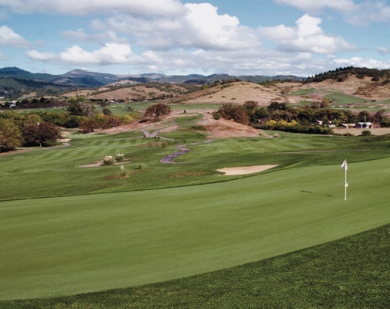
x=62, y=246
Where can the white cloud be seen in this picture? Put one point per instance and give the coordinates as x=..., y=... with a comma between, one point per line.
x=83, y=7
x=9, y=38
x=306, y=37
x=369, y=12
x=315, y=6
x=358, y=13
x=383, y=50
x=33, y=54
x=201, y=27
x=80, y=35
x=110, y=53
x=363, y=62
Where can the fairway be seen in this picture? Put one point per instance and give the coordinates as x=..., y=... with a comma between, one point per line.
x=69, y=245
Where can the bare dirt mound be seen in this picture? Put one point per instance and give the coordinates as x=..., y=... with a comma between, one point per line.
x=226, y=128
x=216, y=128
x=360, y=87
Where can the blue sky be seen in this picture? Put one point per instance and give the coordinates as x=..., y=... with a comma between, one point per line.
x=238, y=37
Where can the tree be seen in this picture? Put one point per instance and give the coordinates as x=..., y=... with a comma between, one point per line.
x=81, y=107
x=10, y=135
x=43, y=133
x=89, y=125
x=234, y=112
x=261, y=114
x=157, y=110
x=364, y=116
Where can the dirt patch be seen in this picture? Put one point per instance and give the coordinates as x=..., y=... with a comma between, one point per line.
x=245, y=169
x=223, y=128
x=356, y=132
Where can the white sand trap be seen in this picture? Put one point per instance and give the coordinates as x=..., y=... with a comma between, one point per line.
x=245, y=169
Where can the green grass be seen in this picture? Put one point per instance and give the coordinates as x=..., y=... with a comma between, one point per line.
x=347, y=273
x=340, y=98
x=68, y=245
x=68, y=230
x=303, y=92
x=61, y=165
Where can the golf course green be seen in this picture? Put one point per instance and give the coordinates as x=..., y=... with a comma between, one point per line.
x=67, y=230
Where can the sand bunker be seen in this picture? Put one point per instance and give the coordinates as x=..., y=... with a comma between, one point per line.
x=245, y=169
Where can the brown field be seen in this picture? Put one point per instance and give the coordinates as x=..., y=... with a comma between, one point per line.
x=239, y=92
x=356, y=132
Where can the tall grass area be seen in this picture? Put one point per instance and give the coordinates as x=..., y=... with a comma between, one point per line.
x=67, y=230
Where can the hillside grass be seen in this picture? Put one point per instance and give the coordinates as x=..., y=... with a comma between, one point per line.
x=27, y=174
x=344, y=99
x=303, y=92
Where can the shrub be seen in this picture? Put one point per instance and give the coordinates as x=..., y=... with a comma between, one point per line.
x=108, y=160
x=123, y=172
x=120, y=157
x=236, y=113
x=366, y=133
x=217, y=116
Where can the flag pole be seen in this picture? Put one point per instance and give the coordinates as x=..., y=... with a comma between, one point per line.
x=344, y=166
x=345, y=185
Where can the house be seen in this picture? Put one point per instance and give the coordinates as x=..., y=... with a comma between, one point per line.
x=363, y=125
x=329, y=124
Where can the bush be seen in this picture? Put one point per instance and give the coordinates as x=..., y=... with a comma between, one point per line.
x=366, y=133
x=238, y=113
x=217, y=116
x=120, y=157
x=108, y=160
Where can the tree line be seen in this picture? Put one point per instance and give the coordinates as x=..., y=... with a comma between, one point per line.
x=280, y=116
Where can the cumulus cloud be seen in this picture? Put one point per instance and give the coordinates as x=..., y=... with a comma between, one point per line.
x=9, y=38
x=82, y=7
x=110, y=53
x=318, y=5
x=356, y=13
x=306, y=37
x=362, y=62
x=200, y=27
x=383, y=50
x=46, y=56
x=80, y=35
x=369, y=12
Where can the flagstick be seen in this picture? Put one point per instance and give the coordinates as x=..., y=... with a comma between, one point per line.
x=345, y=185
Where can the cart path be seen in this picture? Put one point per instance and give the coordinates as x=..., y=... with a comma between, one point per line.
x=182, y=150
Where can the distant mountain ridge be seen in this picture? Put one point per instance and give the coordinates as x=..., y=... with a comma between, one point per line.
x=14, y=80
x=84, y=78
